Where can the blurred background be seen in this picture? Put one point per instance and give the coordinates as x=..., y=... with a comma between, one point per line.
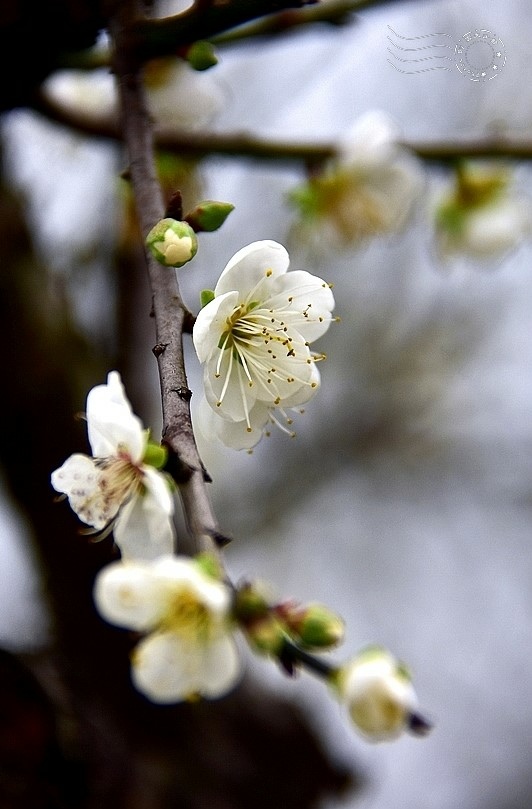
x=405, y=500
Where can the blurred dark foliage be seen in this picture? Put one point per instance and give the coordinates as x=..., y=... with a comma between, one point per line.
x=34, y=35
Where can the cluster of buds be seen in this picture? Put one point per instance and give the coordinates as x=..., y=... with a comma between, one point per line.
x=173, y=242
x=376, y=688
x=269, y=626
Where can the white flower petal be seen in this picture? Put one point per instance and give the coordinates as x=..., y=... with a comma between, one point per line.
x=234, y=434
x=371, y=140
x=79, y=479
x=111, y=423
x=143, y=529
x=302, y=292
x=237, y=397
x=496, y=229
x=211, y=323
x=181, y=97
x=220, y=669
x=167, y=670
x=305, y=392
x=158, y=496
x=250, y=266
x=176, y=574
x=128, y=595
x=163, y=670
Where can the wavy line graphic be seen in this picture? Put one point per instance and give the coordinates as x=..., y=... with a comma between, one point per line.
x=422, y=36
x=417, y=50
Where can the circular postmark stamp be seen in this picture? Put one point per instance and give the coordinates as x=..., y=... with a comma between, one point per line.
x=480, y=55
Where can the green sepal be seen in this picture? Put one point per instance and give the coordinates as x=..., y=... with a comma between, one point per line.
x=306, y=198
x=155, y=455
x=210, y=565
x=451, y=217
x=206, y=296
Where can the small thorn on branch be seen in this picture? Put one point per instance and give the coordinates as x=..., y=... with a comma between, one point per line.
x=159, y=349
x=183, y=393
x=174, y=208
x=221, y=540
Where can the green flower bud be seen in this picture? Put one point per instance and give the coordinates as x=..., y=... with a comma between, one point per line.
x=172, y=243
x=315, y=626
x=266, y=635
x=250, y=604
x=201, y=55
x=155, y=455
x=209, y=215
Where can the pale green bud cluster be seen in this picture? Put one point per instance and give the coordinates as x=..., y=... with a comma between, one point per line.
x=267, y=626
x=172, y=243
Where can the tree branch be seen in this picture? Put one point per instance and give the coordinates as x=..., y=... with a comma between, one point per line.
x=169, y=310
x=147, y=39
x=243, y=144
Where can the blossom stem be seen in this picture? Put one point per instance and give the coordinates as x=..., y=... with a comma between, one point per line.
x=292, y=655
x=169, y=310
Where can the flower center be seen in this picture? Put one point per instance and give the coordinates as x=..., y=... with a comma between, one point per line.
x=188, y=617
x=261, y=349
x=119, y=479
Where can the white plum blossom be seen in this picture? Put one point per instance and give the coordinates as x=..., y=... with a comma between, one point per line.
x=367, y=189
x=254, y=340
x=379, y=696
x=116, y=488
x=482, y=216
x=184, y=613
x=178, y=97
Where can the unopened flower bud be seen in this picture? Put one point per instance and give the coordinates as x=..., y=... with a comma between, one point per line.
x=314, y=626
x=251, y=603
x=201, y=55
x=209, y=215
x=266, y=635
x=379, y=695
x=172, y=243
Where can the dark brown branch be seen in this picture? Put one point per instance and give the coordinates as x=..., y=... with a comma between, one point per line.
x=159, y=37
x=242, y=144
x=169, y=311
